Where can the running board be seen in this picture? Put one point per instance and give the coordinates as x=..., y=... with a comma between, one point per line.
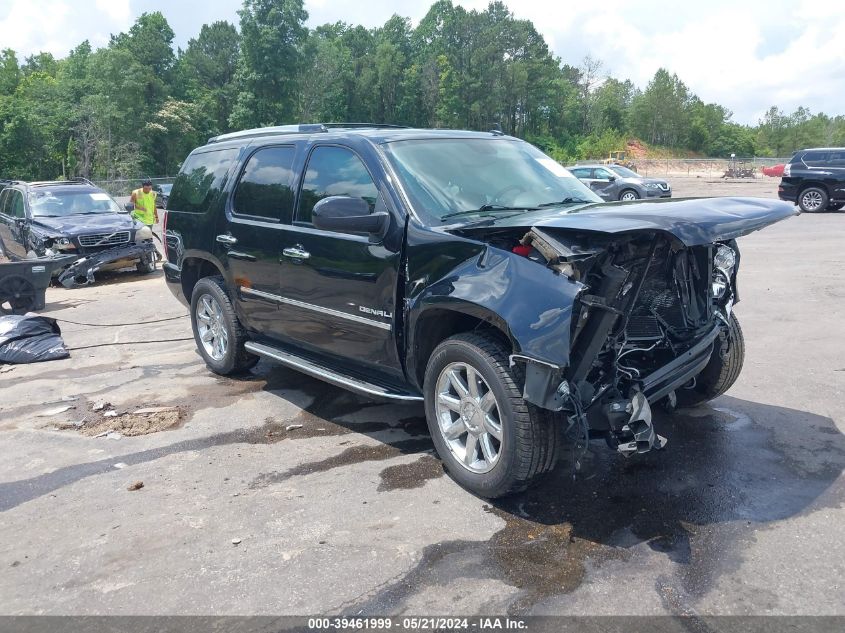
x=329, y=375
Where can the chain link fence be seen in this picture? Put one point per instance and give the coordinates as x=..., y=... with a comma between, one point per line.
x=700, y=167
x=124, y=188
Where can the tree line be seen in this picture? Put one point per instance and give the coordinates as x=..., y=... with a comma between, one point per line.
x=137, y=106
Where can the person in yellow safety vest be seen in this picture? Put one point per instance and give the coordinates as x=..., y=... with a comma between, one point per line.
x=144, y=200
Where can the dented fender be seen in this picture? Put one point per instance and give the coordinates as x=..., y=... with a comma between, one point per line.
x=531, y=303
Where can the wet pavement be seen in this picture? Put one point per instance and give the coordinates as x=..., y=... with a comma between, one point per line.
x=340, y=505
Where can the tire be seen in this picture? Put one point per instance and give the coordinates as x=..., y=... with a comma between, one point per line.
x=628, y=195
x=145, y=267
x=530, y=437
x=835, y=206
x=721, y=371
x=812, y=199
x=224, y=358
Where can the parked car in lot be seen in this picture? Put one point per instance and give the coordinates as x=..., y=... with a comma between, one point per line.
x=163, y=194
x=814, y=179
x=468, y=271
x=42, y=219
x=617, y=182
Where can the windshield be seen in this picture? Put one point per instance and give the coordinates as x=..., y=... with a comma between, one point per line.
x=46, y=203
x=446, y=177
x=624, y=171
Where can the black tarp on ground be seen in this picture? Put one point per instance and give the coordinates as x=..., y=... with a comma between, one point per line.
x=30, y=339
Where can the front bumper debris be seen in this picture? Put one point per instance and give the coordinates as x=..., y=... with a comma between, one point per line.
x=81, y=272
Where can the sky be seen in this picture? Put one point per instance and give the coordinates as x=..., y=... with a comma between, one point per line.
x=746, y=55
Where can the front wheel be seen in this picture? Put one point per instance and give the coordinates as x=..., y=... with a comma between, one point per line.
x=218, y=333
x=813, y=199
x=722, y=369
x=629, y=195
x=491, y=441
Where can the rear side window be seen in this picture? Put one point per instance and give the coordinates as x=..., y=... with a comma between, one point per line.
x=580, y=172
x=264, y=189
x=200, y=180
x=815, y=159
x=334, y=171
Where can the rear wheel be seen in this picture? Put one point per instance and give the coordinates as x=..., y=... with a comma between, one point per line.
x=218, y=333
x=721, y=371
x=629, y=194
x=813, y=199
x=490, y=440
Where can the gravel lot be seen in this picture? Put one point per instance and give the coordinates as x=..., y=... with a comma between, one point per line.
x=278, y=494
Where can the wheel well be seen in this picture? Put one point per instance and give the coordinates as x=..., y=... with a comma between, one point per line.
x=194, y=269
x=819, y=185
x=631, y=189
x=435, y=326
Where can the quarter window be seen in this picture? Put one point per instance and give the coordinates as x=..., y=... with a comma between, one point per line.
x=334, y=171
x=265, y=187
x=815, y=159
x=200, y=180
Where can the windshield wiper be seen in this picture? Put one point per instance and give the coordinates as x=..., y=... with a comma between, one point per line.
x=487, y=208
x=566, y=201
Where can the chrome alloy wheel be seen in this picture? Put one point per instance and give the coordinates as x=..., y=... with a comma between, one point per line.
x=812, y=200
x=211, y=327
x=468, y=417
x=628, y=196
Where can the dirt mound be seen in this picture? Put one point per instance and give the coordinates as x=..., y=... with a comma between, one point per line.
x=636, y=149
x=140, y=422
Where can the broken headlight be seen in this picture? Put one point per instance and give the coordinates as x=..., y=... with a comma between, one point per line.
x=725, y=259
x=720, y=283
x=63, y=244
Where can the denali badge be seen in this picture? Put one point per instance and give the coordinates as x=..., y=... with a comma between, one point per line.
x=380, y=313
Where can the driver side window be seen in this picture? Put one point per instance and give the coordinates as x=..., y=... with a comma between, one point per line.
x=334, y=171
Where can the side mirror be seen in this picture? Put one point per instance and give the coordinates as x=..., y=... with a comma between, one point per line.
x=346, y=214
x=611, y=178
x=129, y=207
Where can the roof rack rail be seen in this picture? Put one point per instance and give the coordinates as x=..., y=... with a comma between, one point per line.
x=302, y=128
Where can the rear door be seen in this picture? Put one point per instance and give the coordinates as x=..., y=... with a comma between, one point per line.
x=251, y=245
x=338, y=290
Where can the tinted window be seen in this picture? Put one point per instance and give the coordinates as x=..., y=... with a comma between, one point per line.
x=200, y=180
x=815, y=158
x=836, y=159
x=334, y=171
x=265, y=186
x=16, y=204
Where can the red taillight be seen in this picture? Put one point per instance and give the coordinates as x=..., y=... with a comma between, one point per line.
x=164, y=232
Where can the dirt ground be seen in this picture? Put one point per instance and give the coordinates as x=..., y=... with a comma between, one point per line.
x=274, y=493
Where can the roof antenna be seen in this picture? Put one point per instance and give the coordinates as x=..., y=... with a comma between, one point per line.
x=497, y=130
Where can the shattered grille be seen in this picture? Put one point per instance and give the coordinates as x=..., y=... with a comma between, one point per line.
x=104, y=239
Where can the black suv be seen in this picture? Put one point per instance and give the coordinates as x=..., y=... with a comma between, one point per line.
x=815, y=179
x=43, y=219
x=466, y=270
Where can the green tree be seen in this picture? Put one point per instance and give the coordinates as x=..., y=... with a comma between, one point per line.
x=272, y=37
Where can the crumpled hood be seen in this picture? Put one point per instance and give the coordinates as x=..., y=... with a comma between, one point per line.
x=73, y=225
x=694, y=221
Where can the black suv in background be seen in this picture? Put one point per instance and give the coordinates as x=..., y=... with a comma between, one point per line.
x=44, y=219
x=465, y=270
x=815, y=179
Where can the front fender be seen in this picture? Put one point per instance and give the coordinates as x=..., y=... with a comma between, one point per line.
x=528, y=301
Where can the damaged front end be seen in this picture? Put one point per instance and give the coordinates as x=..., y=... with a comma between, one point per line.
x=81, y=272
x=642, y=327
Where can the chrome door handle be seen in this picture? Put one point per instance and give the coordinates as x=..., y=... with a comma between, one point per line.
x=227, y=239
x=296, y=252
